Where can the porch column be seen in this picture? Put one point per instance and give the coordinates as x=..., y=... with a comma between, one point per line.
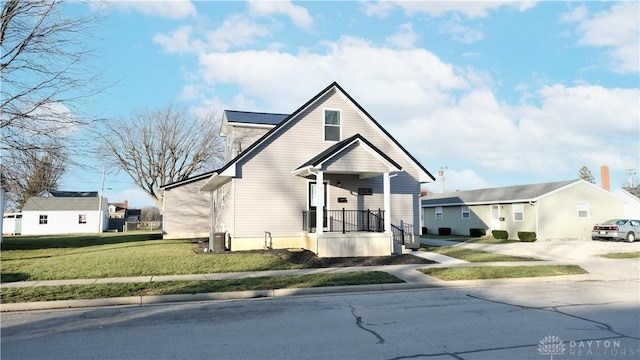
x=386, y=188
x=319, y=202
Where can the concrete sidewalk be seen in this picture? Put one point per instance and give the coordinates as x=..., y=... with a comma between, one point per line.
x=599, y=269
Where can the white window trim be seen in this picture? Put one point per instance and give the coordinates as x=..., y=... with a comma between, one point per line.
x=462, y=212
x=515, y=211
x=439, y=212
x=324, y=125
x=586, y=205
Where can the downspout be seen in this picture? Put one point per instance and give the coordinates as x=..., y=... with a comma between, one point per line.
x=533, y=203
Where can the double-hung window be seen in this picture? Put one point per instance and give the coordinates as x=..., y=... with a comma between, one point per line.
x=518, y=212
x=332, y=125
x=465, y=212
x=438, y=212
x=44, y=219
x=82, y=219
x=583, y=209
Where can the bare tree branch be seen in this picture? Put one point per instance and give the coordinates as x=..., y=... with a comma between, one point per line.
x=45, y=76
x=160, y=146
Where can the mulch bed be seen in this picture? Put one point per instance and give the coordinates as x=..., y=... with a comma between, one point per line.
x=311, y=260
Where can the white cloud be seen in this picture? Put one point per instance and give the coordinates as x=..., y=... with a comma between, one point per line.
x=298, y=14
x=617, y=29
x=168, y=9
x=460, y=32
x=404, y=38
x=179, y=41
x=457, y=180
x=469, y=9
x=235, y=31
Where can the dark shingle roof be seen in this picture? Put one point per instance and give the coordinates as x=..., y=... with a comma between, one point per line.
x=69, y=194
x=61, y=204
x=493, y=195
x=247, y=117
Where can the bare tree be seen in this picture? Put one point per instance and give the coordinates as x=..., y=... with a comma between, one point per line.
x=36, y=171
x=44, y=76
x=150, y=213
x=163, y=145
x=585, y=174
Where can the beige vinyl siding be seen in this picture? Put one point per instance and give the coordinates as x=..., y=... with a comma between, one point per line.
x=560, y=211
x=239, y=138
x=186, y=212
x=269, y=198
x=355, y=157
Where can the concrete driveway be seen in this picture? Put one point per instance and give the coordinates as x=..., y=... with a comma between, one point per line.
x=581, y=252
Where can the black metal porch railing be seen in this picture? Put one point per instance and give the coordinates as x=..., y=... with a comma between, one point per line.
x=345, y=220
x=402, y=232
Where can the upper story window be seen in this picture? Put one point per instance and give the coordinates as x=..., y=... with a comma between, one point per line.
x=332, y=125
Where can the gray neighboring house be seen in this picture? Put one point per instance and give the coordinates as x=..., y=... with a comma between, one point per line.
x=554, y=210
x=65, y=212
x=327, y=178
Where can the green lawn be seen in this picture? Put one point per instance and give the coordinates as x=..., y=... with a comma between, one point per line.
x=499, y=272
x=625, y=255
x=119, y=255
x=472, y=255
x=95, y=291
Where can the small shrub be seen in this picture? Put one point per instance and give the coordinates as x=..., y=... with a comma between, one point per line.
x=444, y=231
x=424, y=231
x=500, y=234
x=475, y=232
x=527, y=236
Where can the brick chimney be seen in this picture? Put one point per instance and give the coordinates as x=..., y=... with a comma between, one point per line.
x=604, y=175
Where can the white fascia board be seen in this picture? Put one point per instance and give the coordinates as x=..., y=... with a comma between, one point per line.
x=254, y=126
x=230, y=171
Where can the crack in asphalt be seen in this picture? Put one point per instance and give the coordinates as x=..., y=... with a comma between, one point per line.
x=459, y=355
x=361, y=326
x=555, y=309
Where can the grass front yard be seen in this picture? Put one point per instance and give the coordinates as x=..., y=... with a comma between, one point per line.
x=502, y=272
x=472, y=255
x=96, y=291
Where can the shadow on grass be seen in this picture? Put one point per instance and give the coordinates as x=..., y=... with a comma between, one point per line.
x=13, y=277
x=33, y=242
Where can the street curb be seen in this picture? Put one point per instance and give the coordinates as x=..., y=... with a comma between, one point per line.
x=232, y=295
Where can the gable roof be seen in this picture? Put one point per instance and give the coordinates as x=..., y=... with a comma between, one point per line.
x=62, y=204
x=248, y=117
x=229, y=168
x=188, y=180
x=67, y=194
x=516, y=193
x=341, y=146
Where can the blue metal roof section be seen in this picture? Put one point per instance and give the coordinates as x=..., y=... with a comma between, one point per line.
x=248, y=117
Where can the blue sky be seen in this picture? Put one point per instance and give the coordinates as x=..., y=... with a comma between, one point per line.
x=500, y=93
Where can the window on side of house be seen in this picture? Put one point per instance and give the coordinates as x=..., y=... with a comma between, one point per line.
x=466, y=214
x=583, y=209
x=438, y=212
x=82, y=219
x=44, y=220
x=332, y=125
x=518, y=212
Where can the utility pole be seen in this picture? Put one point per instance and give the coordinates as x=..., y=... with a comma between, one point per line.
x=100, y=208
x=441, y=174
x=630, y=173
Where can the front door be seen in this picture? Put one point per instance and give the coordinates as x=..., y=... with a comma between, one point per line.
x=313, y=195
x=495, y=217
